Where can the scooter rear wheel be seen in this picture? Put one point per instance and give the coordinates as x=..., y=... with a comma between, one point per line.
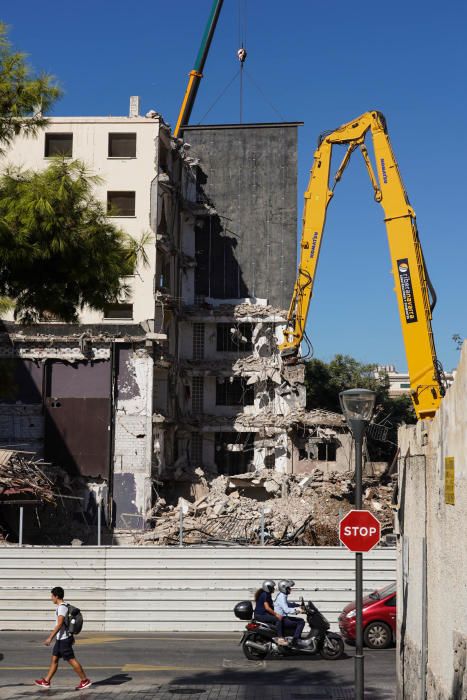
x=254, y=654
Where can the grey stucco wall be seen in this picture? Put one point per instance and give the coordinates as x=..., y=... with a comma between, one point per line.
x=251, y=173
x=432, y=577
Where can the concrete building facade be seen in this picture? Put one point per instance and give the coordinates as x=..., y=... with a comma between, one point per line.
x=184, y=373
x=399, y=382
x=81, y=395
x=432, y=511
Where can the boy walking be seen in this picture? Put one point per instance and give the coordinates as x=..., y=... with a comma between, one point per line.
x=63, y=647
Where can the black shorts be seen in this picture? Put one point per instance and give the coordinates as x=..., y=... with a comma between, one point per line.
x=63, y=649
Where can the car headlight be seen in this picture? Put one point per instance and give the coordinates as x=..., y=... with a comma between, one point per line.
x=351, y=614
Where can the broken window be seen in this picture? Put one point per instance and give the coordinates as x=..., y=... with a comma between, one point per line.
x=163, y=157
x=165, y=276
x=121, y=203
x=234, y=391
x=197, y=394
x=233, y=452
x=122, y=145
x=118, y=311
x=196, y=449
x=198, y=341
x=202, y=273
x=322, y=451
x=234, y=337
x=58, y=145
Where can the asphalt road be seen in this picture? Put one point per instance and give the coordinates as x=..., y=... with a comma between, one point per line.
x=124, y=662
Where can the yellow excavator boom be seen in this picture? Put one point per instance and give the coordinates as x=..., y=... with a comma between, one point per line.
x=415, y=295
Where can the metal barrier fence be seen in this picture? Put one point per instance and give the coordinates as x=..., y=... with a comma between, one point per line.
x=173, y=589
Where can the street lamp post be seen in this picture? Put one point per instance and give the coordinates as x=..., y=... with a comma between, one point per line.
x=358, y=406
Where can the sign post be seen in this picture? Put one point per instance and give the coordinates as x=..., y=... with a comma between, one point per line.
x=359, y=531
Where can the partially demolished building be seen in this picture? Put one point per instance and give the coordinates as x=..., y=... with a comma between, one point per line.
x=183, y=373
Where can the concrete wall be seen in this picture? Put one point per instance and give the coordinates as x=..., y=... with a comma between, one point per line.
x=132, y=454
x=432, y=600
x=170, y=589
x=251, y=175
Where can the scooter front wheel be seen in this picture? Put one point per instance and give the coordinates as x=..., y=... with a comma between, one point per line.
x=255, y=653
x=333, y=648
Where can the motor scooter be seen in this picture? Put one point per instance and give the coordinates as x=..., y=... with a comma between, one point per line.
x=258, y=640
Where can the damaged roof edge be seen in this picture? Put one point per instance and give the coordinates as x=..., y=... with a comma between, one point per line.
x=253, y=125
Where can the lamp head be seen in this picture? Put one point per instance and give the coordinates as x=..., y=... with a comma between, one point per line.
x=357, y=404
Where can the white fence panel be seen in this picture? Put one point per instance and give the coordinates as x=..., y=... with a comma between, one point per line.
x=174, y=589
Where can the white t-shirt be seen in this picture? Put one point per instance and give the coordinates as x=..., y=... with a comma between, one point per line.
x=62, y=632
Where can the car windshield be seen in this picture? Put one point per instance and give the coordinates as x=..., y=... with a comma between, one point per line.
x=390, y=589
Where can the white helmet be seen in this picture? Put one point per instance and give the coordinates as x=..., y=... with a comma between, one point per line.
x=285, y=585
x=268, y=586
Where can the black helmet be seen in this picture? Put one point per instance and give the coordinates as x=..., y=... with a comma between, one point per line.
x=268, y=586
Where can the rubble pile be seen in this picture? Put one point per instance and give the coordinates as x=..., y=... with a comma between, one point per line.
x=295, y=510
x=248, y=309
x=22, y=473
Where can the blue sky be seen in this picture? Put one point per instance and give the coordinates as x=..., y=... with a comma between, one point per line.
x=318, y=62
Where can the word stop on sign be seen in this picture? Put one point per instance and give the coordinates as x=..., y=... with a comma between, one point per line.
x=359, y=531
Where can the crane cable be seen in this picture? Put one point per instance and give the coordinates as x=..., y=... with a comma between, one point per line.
x=241, y=52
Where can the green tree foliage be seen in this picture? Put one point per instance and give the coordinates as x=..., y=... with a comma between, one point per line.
x=59, y=251
x=324, y=381
x=24, y=97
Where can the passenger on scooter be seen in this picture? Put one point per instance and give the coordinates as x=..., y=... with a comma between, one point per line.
x=264, y=608
x=285, y=607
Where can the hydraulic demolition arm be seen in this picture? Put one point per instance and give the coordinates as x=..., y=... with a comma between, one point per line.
x=415, y=295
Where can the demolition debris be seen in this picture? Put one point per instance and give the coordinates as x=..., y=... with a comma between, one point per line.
x=21, y=473
x=279, y=509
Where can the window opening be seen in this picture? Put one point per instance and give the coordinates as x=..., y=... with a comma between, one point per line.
x=118, y=311
x=196, y=449
x=232, y=337
x=122, y=145
x=121, y=203
x=58, y=145
x=198, y=341
x=234, y=391
x=234, y=452
x=197, y=394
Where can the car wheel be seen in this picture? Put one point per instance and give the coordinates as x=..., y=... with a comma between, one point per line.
x=377, y=635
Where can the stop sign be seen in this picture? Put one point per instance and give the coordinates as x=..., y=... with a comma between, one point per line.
x=359, y=530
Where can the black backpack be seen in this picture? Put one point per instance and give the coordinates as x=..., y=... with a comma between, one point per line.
x=73, y=620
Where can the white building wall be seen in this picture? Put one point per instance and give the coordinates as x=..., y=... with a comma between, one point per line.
x=90, y=145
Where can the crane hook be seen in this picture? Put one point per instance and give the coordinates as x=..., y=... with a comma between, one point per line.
x=241, y=53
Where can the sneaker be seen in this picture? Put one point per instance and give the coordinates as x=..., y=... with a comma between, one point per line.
x=42, y=683
x=283, y=642
x=84, y=684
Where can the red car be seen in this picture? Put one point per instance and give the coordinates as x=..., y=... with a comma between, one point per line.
x=379, y=619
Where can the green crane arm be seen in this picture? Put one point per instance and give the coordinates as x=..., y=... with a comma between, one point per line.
x=197, y=73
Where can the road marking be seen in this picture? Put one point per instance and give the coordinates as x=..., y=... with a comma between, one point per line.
x=104, y=639
x=227, y=663
x=99, y=640
x=125, y=668
x=41, y=668
x=142, y=667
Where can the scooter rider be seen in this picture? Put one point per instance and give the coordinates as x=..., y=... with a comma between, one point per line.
x=284, y=607
x=264, y=608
